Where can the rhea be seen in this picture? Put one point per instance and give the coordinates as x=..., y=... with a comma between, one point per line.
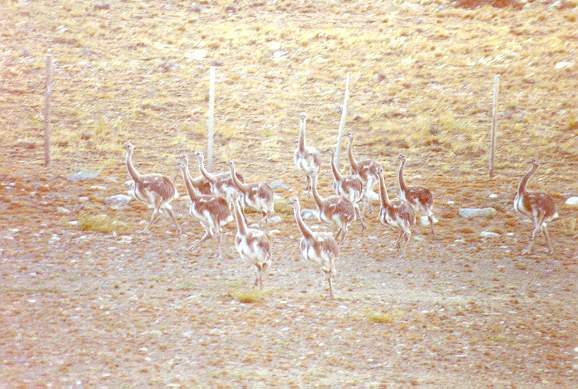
x=211, y=211
x=367, y=170
x=397, y=214
x=155, y=190
x=318, y=248
x=420, y=198
x=258, y=196
x=252, y=244
x=334, y=209
x=222, y=183
x=537, y=206
x=350, y=187
x=306, y=158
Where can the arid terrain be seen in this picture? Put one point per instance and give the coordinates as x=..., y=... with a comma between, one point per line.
x=87, y=300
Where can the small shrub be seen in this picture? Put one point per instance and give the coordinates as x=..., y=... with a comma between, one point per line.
x=248, y=296
x=380, y=317
x=101, y=223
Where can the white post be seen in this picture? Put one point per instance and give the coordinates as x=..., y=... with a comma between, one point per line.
x=342, y=120
x=211, y=118
x=494, y=128
x=46, y=112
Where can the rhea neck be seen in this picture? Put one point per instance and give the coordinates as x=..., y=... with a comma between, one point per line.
x=307, y=233
x=302, y=134
x=383, y=193
x=239, y=218
x=318, y=199
x=402, y=185
x=204, y=171
x=241, y=185
x=524, y=182
x=335, y=169
x=352, y=160
x=130, y=166
x=189, y=185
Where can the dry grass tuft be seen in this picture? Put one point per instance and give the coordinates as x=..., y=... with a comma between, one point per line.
x=102, y=223
x=380, y=317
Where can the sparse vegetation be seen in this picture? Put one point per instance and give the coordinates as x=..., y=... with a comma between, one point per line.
x=102, y=223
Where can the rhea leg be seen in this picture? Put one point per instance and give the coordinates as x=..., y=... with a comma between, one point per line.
x=547, y=236
x=330, y=282
x=535, y=231
x=359, y=216
x=169, y=210
x=431, y=223
x=208, y=234
x=154, y=216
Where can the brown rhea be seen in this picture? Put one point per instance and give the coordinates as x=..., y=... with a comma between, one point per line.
x=306, y=158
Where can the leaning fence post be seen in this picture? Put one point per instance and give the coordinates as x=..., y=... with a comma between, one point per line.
x=342, y=120
x=46, y=111
x=494, y=127
x=211, y=118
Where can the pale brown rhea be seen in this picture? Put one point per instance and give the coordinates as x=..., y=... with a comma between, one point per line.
x=258, y=196
x=334, y=209
x=200, y=184
x=539, y=207
x=318, y=248
x=420, y=198
x=367, y=170
x=252, y=244
x=211, y=211
x=350, y=186
x=221, y=183
x=397, y=214
x=156, y=190
x=307, y=159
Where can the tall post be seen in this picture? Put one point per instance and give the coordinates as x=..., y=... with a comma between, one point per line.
x=46, y=111
x=494, y=128
x=211, y=118
x=342, y=120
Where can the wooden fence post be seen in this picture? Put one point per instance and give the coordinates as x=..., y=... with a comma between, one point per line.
x=46, y=111
x=494, y=128
x=342, y=120
x=211, y=119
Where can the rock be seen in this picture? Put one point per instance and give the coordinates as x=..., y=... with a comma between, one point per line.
x=493, y=196
x=279, y=185
x=489, y=234
x=83, y=175
x=309, y=214
x=62, y=210
x=572, y=202
x=424, y=221
x=119, y=201
x=83, y=199
x=101, y=6
x=476, y=212
x=196, y=54
x=275, y=219
x=98, y=187
x=564, y=65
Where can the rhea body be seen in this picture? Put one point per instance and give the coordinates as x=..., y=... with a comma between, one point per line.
x=334, y=209
x=258, y=196
x=211, y=211
x=420, y=198
x=321, y=249
x=155, y=190
x=252, y=244
x=306, y=158
x=539, y=207
x=397, y=214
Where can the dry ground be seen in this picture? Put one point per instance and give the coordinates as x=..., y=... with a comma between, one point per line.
x=102, y=309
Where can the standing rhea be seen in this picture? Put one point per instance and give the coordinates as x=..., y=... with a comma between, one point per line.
x=222, y=183
x=156, y=190
x=306, y=158
x=258, y=196
x=334, y=209
x=211, y=211
x=537, y=206
x=252, y=244
x=350, y=187
x=367, y=170
x=319, y=248
x=421, y=199
x=397, y=214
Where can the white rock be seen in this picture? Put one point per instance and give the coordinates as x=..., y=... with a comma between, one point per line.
x=275, y=219
x=476, y=212
x=424, y=221
x=83, y=199
x=451, y=202
x=196, y=55
x=572, y=202
x=83, y=175
x=278, y=184
x=310, y=213
x=564, y=65
x=119, y=201
x=62, y=210
x=489, y=234
x=493, y=196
